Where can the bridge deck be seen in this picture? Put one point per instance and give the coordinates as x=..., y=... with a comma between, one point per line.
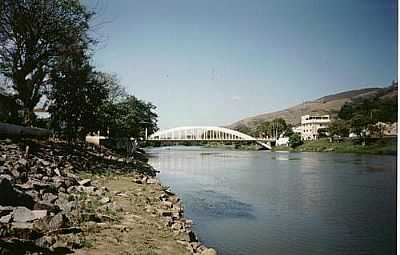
x=206, y=133
x=211, y=140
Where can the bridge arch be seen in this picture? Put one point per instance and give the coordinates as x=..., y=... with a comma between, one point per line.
x=202, y=133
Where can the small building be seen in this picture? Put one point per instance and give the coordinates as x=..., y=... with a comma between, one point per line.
x=388, y=129
x=310, y=124
x=41, y=113
x=353, y=135
x=297, y=130
x=95, y=139
x=282, y=140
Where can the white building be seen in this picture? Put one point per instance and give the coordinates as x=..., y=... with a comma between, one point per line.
x=282, y=140
x=388, y=129
x=310, y=124
x=41, y=113
x=297, y=130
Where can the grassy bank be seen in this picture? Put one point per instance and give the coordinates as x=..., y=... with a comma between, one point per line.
x=382, y=146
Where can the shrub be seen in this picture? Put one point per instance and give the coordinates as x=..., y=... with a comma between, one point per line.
x=295, y=140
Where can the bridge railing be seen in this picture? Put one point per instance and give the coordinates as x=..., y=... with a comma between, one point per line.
x=203, y=134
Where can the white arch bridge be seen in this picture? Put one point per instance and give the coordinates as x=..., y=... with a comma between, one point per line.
x=206, y=133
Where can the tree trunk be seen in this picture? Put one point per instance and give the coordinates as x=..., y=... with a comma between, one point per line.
x=28, y=117
x=7, y=130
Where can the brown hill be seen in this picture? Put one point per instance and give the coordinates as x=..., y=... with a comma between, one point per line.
x=330, y=104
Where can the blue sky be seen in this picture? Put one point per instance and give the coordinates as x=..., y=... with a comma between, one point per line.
x=212, y=62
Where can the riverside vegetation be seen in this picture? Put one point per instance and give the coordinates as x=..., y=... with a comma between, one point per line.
x=57, y=199
x=383, y=146
x=46, y=206
x=380, y=146
x=46, y=64
x=359, y=116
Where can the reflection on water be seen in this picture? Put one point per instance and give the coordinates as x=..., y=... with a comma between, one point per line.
x=212, y=204
x=284, y=203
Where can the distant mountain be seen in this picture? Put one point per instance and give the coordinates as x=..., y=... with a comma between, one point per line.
x=330, y=104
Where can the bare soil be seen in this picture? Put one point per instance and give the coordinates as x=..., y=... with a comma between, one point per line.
x=136, y=231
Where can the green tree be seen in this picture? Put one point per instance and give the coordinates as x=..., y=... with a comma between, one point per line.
x=130, y=118
x=375, y=130
x=245, y=130
x=346, y=111
x=8, y=104
x=76, y=96
x=116, y=93
x=359, y=123
x=339, y=127
x=33, y=33
x=288, y=131
x=386, y=110
x=295, y=140
x=272, y=128
x=373, y=109
x=263, y=129
x=279, y=126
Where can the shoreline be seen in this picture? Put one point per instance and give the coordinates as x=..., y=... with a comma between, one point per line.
x=60, y=199
x=380, y=146
x=142, y=202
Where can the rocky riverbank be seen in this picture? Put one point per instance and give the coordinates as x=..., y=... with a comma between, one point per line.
x=57, y=199
x=150, y=220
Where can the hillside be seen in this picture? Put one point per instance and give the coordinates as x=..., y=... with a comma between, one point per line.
x=330, y=104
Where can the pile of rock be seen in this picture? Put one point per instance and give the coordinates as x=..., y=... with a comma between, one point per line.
x=45, y=207
x=171, y=210
x=41, y=200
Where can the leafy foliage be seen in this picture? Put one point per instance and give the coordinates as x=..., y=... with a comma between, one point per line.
x=295, y=140
x=33, y=33
x=273, y=128
x=45, y=50
x=361, y=114
x=375, y=130
x=245, y=130
x=340, y=128
x=129, y=117
x=76, y=97
x=8, y=104
x=372, y=109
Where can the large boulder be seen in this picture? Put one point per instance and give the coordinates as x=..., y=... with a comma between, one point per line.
x=11, y=196
x=49, y=197
x=6, y=219
x=85, y=182
x=23, y=214
x=57, y=221
x=209, y=251
x=5, y=210
x=64, y=204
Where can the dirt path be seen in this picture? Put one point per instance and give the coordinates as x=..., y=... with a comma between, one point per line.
x=140, y=229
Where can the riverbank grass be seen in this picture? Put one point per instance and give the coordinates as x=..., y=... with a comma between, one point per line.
x=382, y=146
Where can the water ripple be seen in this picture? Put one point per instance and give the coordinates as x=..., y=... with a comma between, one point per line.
x=208, y=203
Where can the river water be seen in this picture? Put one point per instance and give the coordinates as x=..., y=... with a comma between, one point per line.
x=258, y=202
